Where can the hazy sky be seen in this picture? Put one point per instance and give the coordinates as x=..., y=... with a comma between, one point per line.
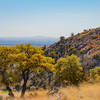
x=22, y=18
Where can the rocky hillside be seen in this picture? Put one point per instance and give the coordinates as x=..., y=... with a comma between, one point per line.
x=85, y=45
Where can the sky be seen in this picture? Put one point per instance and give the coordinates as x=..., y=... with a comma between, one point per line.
x=53, y=18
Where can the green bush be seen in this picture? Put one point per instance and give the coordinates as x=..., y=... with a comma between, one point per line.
x=69, y=71
x=95, y=73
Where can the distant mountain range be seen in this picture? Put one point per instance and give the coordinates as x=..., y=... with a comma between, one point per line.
x=36, y=40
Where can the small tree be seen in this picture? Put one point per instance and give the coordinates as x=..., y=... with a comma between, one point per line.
x=72, y=34
x=62, y=39
x=68, y=70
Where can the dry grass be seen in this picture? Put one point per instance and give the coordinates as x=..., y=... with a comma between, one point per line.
x=84, y=92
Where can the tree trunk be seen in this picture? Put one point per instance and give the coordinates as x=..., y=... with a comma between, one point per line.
x=7, y=85
x=25, y=78
x=10, y=91
x=23, y=89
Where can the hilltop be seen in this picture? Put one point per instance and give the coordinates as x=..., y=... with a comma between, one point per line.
x=85, y=45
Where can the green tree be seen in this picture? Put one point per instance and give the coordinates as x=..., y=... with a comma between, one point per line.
x=68, y=70
x=62, y=38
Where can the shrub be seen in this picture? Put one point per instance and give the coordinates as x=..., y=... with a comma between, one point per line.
x=69, y=70
x=95, y=73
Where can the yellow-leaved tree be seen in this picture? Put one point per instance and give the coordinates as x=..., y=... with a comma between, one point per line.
x=28, y=58
x=7, y=73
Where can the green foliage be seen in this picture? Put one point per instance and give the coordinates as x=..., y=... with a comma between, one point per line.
x=97, y=57
x=41, y=79
x=17, y=87
x=68, y=70
x=62, y=38
x=72, y=50
x=95, y=73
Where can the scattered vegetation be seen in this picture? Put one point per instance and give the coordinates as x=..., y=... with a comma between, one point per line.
x=69, y=62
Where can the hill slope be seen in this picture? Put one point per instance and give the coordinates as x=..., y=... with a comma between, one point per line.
x=85, y=45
